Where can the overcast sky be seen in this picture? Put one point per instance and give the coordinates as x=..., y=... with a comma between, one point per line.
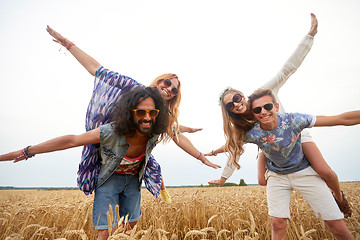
x=210, y=45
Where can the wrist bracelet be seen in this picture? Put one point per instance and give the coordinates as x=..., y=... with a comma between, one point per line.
x=70, y=45
x=26, y=153
x=198, y=158
x=212, y=152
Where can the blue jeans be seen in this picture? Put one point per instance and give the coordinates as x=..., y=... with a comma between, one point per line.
x=121, y=190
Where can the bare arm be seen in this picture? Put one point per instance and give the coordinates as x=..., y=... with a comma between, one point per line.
x=346, y=119
x=89, y=63
x=55, y=144
x=216, y=151
x=228, y=169
x=185, y=144
x=261, y=169
x=188, y=129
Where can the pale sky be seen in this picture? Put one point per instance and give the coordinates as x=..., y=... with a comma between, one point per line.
x=209, y=44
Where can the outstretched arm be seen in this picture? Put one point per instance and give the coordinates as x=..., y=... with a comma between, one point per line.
x=188, y=129
x=216, y=151
x=56, y=144
x=184, y=143
x=314, y=25
x=346, y=119
x=227, y=172
x=295, y=60
x=228, y=169
x=89, y=63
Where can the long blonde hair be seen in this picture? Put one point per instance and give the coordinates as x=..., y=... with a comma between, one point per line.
x=235, y=128
x=173, y=106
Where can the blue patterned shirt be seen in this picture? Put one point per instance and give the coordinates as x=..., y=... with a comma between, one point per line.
x=282, y=145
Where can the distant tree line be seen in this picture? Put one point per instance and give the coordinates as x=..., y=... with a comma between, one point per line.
x=242, y=183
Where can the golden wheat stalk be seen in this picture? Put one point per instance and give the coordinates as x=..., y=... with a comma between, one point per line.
x=252, y=221
x=194, y=233
x=222, y=234
x=109, y=216
x=44, y=230
x=211, y=218
x=80, y=233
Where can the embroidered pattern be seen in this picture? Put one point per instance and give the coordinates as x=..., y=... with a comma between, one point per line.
x=108, y=88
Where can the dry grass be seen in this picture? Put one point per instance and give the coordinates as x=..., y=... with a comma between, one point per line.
x=196, y=213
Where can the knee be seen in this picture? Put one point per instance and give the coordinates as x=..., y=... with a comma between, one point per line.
x=338, y=228
x=278, y=224
x=103, y=234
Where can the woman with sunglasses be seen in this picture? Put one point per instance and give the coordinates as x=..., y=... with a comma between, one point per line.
x=108, y=88
x=238, y=119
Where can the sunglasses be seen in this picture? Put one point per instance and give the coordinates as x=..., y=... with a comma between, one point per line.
x=168, y=83
x=236, y=98
x=267, y=106
x=153, y=113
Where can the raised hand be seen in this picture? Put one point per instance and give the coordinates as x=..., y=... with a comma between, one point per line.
x=57, y=36
x=314, y=25
x=89, y=63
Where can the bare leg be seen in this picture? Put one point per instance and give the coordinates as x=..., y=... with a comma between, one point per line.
x=320, y=166
x=104, y=234
x=339, y=229
x=261, y=169
x=162, y=185
x=130, y=226
x=278, y=226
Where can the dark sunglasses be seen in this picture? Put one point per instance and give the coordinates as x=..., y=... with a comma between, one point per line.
x=153, y=113
x=236, y=98
x=168, y=83
x=267, y=106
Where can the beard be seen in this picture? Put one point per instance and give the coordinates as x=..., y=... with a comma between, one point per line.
x=145, y=130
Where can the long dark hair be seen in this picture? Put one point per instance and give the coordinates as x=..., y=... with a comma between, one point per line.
x=122, y=115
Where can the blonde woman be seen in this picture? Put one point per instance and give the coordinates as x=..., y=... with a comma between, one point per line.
x=108, y=88
x=238, y=119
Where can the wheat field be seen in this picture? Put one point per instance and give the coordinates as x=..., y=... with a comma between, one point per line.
x=195, y=213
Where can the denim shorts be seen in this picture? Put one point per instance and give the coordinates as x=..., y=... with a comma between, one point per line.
x=121, y=190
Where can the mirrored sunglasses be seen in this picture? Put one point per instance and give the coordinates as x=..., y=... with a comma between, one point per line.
x=236, y=99
x=267, y=107
x=168, y=83
x=153, y=113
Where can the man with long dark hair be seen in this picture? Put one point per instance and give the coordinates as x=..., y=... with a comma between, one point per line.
x=125, y=145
